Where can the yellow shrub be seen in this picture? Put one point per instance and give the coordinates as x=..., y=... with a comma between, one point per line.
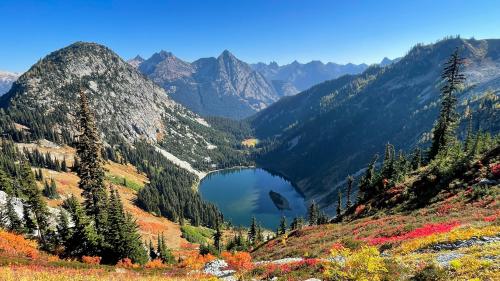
x=364, y=264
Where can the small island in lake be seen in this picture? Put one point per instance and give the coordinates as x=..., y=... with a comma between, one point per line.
x=279, y=201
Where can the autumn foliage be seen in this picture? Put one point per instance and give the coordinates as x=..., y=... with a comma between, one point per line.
x=91, y=260
x=16, y=245
x=426, y=230
x=238, y=260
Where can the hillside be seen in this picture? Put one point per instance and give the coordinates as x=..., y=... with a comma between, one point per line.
x=321, y=135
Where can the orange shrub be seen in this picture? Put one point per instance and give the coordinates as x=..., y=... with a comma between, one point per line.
x=156, y=263
x=197, y=261
x=91, y=260
x=238, y=260
x=126, y=263
x=16, y=245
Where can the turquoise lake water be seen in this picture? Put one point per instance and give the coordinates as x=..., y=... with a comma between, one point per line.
x=243, y=193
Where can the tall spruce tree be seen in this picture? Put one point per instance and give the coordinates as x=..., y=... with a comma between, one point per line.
x=90, y=167
x=282, y=227
x=367, y=180
x=444, y=130
x=218, y=237
x=34, y=203
x=313, y=213
x=252, y=232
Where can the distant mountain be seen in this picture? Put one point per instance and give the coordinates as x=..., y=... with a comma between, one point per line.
x=319, y=136
x=6, y=80
x=223, y=86
x=128, y=106
x=304, y=76
x=387, y=61
x=135, y=62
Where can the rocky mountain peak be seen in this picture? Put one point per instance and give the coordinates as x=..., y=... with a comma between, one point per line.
x=135, y=62
x=6, y=80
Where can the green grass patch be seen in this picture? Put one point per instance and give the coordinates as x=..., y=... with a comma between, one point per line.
x=198, y=235
x=124, y=182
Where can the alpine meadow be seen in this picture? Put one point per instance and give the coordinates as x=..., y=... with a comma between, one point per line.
x=250, y=140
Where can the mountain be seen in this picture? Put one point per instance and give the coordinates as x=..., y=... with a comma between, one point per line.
x=135, y=62
x=317, y=137
x=129, y=107
x=303, y=76
x=222, y=86
x=6, y=80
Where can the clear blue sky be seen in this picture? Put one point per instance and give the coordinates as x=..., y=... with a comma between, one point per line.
x=257, y=30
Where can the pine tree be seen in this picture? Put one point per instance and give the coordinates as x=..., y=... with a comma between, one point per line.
x=350, y=181
x=218, y=237
x=388, y=167
x=252, y=232
x=444, y=130
x=84, y=239
x=313, y=213
x=367, y=180
x=5, y=182
x=64, y=231
x=34, y=203
x=64, y=165
x=282, y=227
x=416, y=160
x=339, y=203
x=164, y=252
x=90, y=169
x=152, y=252
x=50, y=190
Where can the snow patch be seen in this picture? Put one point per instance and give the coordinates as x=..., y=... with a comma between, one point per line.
x=181, y=163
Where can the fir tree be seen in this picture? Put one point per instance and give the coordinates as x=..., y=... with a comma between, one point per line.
x=444, y=130
x=64, y=231
x=90, y=169
x=164, y=252
x=5, y=182
x=313, y=213
x=218, y=237
x=84, y=239
x=367, y=180
x=50, y=190
x=152, y=252
x=350, y=181
x=416, y=159
x=34, y=203
x=282, y=227
x=252, y=232
x=64, y=165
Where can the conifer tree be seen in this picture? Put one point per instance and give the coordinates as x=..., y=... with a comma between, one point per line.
x=260, y=236
x=367, y=180
x=152, y=252
x=469, y=139
x=444, y=130
x=34, y=203
x=339, y=203
x=350, y=181
x=282, y=227
x=84, y=239
x=64, y=231
x=50, y=190
x=90, y=169
x=64, y=165
x=218, y=237
x=416, y=160
x=252, y=232
x=5, y=182
x=388, y=167
x=313, y=213
x=164, y=252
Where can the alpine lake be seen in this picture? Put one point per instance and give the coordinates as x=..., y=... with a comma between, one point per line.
x=243, y=193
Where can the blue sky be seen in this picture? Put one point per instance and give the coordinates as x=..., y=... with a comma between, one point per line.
x=257, y=30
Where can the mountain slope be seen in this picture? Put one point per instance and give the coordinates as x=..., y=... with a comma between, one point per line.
x=6, y=80
x=128, y=106
x=135, y=62
x=331, y=130
x=222, y=86
x=304, y=76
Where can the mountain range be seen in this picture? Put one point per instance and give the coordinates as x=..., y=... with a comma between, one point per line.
x=6, y=80
x=318, y=137
x=303, y=76
x=228, y=87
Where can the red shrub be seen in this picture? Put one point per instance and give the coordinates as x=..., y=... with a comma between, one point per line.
x=423, y=231
x=495, y=170
x=238, y=260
